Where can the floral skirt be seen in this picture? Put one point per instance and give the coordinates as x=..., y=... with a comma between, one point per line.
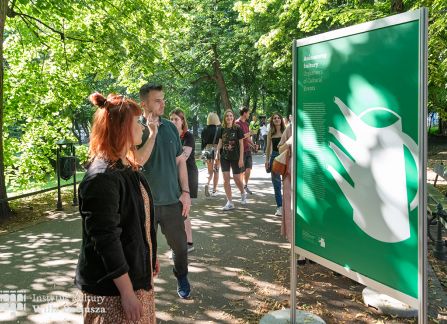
x=108, y=309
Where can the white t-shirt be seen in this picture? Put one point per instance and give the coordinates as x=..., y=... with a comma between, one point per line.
x=264, y=130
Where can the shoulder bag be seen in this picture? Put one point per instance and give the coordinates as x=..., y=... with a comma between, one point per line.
x=208, y=152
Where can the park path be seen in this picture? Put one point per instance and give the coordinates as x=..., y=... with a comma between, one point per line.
x=236, y=254
x=238, y=271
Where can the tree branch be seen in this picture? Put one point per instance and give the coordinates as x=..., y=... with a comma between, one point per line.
x=12, y=5
x=27, y=23
x=12, y=13
x=31, y=23
x=65, y=48
x=175, y=69
x=205, y=77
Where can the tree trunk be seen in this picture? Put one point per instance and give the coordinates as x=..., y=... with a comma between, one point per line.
x=217, y=104
x=246, y=102
x=255, y=104
x=76, y=129
x=220, y=80
x=397, y=6
x=195, y=126
x=4, y=207
x=86, y=129
x=442, y=130
x=263, y=102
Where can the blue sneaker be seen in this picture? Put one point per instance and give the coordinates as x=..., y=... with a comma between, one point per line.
x=183, y=287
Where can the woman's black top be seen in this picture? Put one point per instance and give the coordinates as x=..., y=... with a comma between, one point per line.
x=114, y=240
x=275, y=142
x=208, y=135
x=193, y=173
x=230, y=142
x=188, y=140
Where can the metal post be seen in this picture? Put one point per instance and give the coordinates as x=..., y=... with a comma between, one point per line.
x=75, y=198
x=422, y=223
x=293, y=189
x=58, y=172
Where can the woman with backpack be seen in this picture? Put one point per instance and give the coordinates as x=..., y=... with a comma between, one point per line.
x=209, y=145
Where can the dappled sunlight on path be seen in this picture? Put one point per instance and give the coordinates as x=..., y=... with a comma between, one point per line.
x=233, y=265
x=238, y=271
x=235, y=262
x=40, y=262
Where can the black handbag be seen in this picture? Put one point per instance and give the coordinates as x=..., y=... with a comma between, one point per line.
x=208, y=153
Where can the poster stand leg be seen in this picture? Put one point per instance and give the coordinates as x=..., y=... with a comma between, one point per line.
x=387, y=305
x=291, y=315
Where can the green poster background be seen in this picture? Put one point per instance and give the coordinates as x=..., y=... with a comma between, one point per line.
x=378, y=68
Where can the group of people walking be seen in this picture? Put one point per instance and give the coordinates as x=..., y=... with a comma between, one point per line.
x=142, y=175
x=231, y=146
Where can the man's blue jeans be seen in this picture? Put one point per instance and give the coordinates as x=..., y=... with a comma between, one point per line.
x=276, y=181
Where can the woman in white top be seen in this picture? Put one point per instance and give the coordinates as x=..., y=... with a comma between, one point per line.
x=263, y=138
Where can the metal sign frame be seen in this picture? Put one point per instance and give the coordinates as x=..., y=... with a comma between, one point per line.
x=421, y=302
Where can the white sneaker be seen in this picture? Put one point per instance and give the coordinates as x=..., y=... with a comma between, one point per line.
x=228, y=206
x=278, y=211
x=214, y=194
x=244, y=199
x=247, y=190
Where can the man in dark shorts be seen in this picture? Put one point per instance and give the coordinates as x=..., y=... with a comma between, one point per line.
x=248, y=144
x=164, y=168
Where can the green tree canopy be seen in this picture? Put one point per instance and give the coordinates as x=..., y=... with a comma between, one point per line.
x=209, y=54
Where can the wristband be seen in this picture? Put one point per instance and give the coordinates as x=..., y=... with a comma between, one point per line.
x=185, y=191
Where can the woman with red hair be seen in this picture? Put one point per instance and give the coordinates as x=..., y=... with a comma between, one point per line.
x=117, y=261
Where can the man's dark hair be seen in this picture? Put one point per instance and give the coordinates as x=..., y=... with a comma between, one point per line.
x=243, y=110
x=148, y=87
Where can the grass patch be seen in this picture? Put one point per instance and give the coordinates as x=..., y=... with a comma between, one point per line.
x=36, y=209
x=434, y=130
x=200, y=164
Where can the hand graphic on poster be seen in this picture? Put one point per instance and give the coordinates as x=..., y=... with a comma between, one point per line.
x=378, y=195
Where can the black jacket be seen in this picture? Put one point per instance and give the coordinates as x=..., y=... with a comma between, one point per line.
x=113, y=229
x=208, y=135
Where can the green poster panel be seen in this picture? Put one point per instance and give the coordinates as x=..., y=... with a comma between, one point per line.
x=359, y=153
